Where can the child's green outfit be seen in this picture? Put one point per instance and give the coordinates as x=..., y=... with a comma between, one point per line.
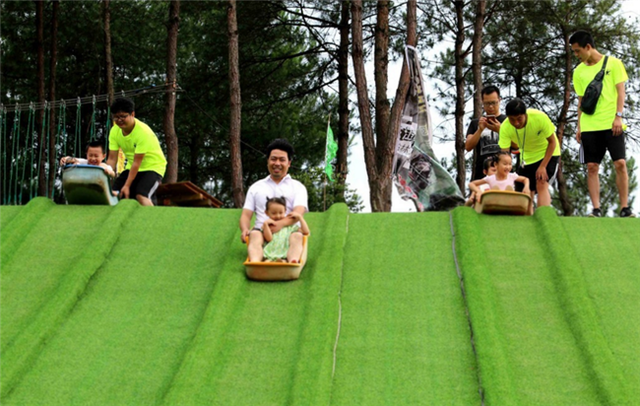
x=278, y=247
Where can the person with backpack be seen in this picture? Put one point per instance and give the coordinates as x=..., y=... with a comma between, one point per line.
x=602, y=128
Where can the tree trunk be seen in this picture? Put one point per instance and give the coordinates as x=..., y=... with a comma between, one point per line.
x=476, y=64
x=235, y=107
x=460, y=99
x=170, y=137
x=357, y=55
x=52, y=96
x=378, y=153
x=381, y=77
x=565, y=202
x=385, y=141
x=42, y=186
x=343, y=96
x=106, y=4
x=476, y=68
x=194, y=153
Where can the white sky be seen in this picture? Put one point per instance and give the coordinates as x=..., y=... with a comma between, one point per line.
x=357, y=178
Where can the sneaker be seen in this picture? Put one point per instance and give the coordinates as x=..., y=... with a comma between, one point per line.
x=596, y=213
x=626, y=212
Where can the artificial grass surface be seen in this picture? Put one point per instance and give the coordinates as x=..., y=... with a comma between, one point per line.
x=8, y=213
x=538, y=337
x=404, y=337
x=269, y=343
x=96, y=311
x=612, y=278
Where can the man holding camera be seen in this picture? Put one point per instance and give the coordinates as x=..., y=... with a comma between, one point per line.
x=483, y=133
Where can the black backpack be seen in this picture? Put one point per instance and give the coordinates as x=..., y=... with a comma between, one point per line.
x=592, y=93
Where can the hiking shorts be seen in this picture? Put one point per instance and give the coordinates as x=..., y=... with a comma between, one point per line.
x=145, y=183
x=529, y=171
x=596, y=143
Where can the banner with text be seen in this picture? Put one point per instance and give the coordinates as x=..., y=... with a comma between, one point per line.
x=417, y=174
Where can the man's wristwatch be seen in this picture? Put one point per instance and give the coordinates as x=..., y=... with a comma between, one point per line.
x=619, y=114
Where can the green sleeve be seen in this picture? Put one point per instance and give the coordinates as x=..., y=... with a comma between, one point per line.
x=113, y=142
x=619, y=72
x=549, y=128
x=505, y=137
x=578, y=86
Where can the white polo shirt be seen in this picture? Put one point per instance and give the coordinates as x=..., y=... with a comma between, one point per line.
x=292, y=190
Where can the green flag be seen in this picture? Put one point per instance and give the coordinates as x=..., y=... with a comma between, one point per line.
x=330, y=153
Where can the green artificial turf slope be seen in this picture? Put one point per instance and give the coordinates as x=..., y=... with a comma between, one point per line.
x=8, y=213
x=608, y=252
x=404, y=336
x=125, y=326
x=540, y=337
x=269, y=343
x=94, y=311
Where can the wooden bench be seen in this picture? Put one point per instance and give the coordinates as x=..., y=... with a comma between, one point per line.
x=185, y=194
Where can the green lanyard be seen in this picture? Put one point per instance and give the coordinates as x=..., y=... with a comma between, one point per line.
x=524, y=138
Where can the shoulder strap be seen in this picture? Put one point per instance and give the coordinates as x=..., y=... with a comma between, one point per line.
x=604, y=64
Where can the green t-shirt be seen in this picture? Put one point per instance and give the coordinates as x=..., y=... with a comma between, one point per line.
x=605, y=112
x=142, y=140
x=532, y=139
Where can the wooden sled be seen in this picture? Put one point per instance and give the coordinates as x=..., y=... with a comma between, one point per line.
x=87, y=184
x=504, y=202
x=276, y=271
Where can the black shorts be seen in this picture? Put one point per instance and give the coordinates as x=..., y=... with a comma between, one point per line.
x=596, y=143
x=145, y=183
x=529, y=171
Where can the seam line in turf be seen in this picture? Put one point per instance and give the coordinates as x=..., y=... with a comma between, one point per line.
x=335, y=345
x=192, y=343
x=466, y=308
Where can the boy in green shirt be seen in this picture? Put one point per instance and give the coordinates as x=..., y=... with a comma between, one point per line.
x=145, y=160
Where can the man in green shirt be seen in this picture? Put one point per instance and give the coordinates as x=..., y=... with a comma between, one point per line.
x=533, y=132
x=603, y=130
x=145, y=160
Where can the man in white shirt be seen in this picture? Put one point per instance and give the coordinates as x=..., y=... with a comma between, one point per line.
x=278, y=183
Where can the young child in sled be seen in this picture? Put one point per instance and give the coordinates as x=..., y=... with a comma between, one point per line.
x=286, y=244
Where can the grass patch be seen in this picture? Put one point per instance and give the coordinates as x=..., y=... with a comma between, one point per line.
x=404, y=337
x=126, y=334
x=608, y=255
x=268, y=343
x=529, y=349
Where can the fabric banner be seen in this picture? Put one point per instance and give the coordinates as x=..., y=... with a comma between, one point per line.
x=331, y=151
x=417, y=174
